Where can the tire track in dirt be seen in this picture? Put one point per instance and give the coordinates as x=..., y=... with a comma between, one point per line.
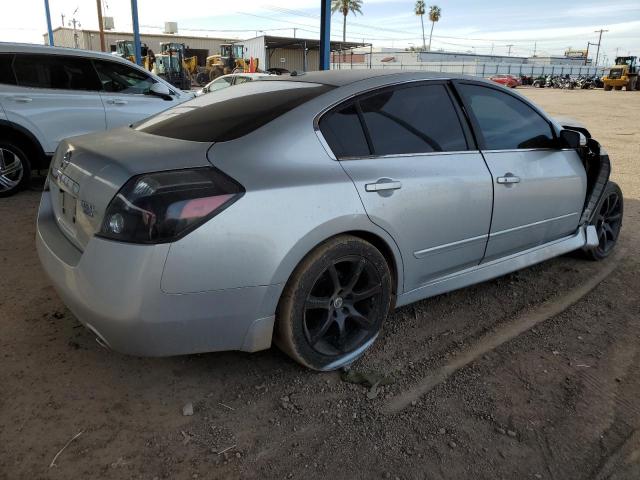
x=500, y=336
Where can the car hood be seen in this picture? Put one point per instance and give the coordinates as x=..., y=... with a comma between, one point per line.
x=87, y=172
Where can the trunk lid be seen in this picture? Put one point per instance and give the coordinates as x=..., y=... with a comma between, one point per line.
x=87, y=172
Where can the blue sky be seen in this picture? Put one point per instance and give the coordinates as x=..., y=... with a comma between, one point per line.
x=548, y=26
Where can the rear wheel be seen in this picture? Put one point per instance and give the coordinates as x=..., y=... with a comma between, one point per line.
x=608, y=88
x=334, y=304
x=608, y=222
x=15, y=171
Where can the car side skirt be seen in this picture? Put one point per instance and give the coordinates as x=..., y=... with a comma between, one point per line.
x=496, y=268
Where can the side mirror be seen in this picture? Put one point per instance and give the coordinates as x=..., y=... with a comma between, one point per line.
x=161, y=90
x=573, y=139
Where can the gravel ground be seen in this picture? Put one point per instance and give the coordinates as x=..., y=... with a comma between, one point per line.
x=556, y=401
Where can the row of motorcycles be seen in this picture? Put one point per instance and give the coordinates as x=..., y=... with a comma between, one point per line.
x=564, y=81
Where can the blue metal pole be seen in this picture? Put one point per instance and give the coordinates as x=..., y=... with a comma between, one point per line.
x=136, y=31
x=48, y=13
x=325, y=34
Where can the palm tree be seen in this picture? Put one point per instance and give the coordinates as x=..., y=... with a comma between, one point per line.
x=420, y=10
x=346, y=6
x=434, y=15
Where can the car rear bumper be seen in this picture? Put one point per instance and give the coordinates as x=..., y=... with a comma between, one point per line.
x=114, y=290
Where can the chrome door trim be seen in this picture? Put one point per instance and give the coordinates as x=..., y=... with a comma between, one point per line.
x=449, y=246
x=540, y=222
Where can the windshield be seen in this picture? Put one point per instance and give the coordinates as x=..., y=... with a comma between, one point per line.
x=231, y=113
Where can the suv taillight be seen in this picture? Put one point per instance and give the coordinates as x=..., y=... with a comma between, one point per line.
x=164, y=206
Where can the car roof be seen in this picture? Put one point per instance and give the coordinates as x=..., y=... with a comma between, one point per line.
x=339, y=78
x=8, y=47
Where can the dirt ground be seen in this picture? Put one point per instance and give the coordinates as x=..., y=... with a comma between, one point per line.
x=533, y=375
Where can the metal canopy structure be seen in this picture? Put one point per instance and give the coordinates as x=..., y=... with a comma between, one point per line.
x=273, y=44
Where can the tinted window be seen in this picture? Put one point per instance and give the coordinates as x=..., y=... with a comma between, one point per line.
x=232, y=112
x=506, y=122
x=343, y=132
x=55, y=71
x=116, y=77
x=6, y=70
x=413, y=120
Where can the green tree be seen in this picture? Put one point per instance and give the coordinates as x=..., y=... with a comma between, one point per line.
x=434, y=15
x=344, y=7
x=420, y=10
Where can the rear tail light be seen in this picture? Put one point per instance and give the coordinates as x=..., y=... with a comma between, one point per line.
x=164, y=206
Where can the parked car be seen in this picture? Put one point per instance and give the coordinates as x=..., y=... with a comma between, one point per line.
x=506, y=80
x=50, y=93
x=309, y=207
x=231, y=79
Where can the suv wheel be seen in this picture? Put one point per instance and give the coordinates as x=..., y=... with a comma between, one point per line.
x=334, y=304
x=15, y=172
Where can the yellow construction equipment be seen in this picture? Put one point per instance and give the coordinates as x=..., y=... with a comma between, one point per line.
x=624, y=74
x=230, y=60
x=172, y=65
x=125, y=49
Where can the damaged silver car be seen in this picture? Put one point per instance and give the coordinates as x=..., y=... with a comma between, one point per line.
x=302, y=210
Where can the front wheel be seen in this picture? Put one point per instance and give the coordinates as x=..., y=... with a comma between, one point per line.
x=334, y=304
x=608, y=222
x=15, y=171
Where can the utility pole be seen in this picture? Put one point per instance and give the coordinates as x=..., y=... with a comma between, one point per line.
x=62, y=16
x=601, y=31
x=101, y=26
x=535, y=48
x=49, y=30
x=294, y=32
x=75, y=23
x=509, y=46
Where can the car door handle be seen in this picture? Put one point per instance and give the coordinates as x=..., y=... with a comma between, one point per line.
x=508, y=179
x=117, y=101
x=23, y=99
x=380, y=186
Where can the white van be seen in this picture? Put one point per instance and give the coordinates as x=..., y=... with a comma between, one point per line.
x=51, y=93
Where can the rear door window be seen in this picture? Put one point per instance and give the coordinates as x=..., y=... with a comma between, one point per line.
x=119, y=78
x=343, y=132
x=55, y=71
x=505, y=122
x=416, y=119
x=7, y=76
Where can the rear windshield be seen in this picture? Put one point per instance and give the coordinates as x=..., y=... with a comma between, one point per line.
x=231, y=113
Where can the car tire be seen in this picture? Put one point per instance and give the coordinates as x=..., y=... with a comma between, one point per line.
x=334, y=304
x=608, y=222
x=15, y=169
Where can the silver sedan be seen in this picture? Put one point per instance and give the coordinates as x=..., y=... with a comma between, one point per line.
x=302, y=210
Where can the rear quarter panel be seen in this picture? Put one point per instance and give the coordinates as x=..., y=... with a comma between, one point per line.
x=296, y=197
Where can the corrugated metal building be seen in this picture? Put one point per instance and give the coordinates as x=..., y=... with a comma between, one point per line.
x=90, y=40
x=299, y=54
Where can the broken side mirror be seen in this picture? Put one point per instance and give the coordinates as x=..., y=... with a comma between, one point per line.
x=573, y=139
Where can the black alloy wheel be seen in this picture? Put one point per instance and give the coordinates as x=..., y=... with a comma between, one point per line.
x=608, y=221
x=334, y=304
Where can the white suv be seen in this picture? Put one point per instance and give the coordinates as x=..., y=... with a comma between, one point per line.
x=51, y=93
